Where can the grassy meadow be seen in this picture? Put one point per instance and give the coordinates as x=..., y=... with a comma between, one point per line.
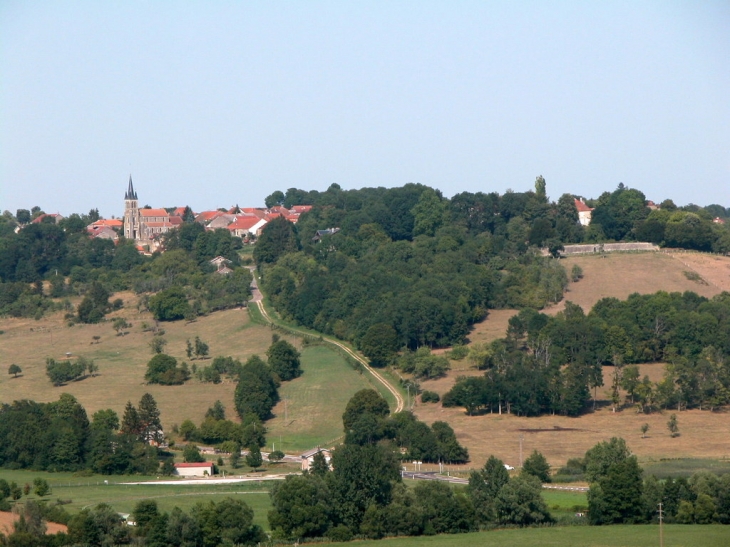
x=675, y=535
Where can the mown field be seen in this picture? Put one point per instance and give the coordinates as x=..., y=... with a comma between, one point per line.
x=576, y=536
x=311, y=408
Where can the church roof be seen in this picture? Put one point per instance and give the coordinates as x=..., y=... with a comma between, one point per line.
x=131, y=194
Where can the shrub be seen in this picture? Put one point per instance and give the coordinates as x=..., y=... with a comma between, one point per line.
x=430, y=397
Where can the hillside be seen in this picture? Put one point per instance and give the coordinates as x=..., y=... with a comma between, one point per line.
x=704, y=434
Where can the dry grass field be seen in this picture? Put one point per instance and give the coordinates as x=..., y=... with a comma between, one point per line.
x=704, y=434
x=7, y=519
x=122, y=360
x=621, y=274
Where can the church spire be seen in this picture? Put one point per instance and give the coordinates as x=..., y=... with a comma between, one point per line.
x=131, y=194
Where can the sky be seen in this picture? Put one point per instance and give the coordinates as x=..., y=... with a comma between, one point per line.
x=217, y=103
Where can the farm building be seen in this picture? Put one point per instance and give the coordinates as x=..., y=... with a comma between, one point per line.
x=204, y=469
x=308, y=457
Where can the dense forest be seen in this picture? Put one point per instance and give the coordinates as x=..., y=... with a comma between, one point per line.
x=429, y=267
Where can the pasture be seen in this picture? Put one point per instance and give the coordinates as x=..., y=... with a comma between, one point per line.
x=675, y=535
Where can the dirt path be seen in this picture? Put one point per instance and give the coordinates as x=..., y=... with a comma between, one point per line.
x=400, y=404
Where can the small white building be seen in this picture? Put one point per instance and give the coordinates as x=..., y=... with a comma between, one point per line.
x=308, y=457
x=202, y=469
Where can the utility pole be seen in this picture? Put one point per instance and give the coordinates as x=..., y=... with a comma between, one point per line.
x=661, y=521
x=522, y=437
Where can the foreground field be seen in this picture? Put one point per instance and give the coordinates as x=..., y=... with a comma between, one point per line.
x=577, y=536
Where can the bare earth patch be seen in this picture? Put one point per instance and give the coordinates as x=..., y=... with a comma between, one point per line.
x=7, y=520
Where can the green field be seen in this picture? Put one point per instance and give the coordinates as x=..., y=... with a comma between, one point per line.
x=576, y=536
x=685, y=467
x=79, y=492
x=311, y=407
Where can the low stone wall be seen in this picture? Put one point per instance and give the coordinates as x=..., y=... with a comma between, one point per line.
x=607, y=248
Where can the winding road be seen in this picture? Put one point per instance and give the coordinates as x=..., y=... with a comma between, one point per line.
x=257, y=298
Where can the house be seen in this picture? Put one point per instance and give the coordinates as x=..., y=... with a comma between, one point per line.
x=223, y=270
x=308, y=457
x=41, y=218
x=219, y=261
x=319, y=234
x=245, y=225
x=718, y=220
x=584, y=212
x=203, y=469
x=102, y=232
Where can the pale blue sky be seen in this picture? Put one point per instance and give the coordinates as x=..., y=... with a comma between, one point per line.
x=216, y=103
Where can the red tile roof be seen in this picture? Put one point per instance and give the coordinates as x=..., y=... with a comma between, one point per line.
x=111, y=222
x=201, y=464
x=153, y=213
x=244, y=223
x=581, y=206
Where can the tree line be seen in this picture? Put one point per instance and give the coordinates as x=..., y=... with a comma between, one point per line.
x=58, y=436
x=554, y=364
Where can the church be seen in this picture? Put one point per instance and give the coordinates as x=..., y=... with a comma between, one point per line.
x=145, y=226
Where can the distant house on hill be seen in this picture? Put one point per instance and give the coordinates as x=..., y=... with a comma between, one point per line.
x=584, y=212
x=203, y=469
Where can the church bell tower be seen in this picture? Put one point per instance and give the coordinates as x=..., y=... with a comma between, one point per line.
x=131, y=213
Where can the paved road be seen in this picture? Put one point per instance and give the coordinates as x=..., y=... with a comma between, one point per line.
x=258, y=299
x=433, y=476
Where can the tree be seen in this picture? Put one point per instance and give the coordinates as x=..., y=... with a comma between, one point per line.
x=484, y=486
x=616, y=498
x=380, y=344
x=14, y=370
x=170, y=304
x=319, y=465
x=201, y=348
x=301, y=507
x=40, y=487
x=284, y=360
x=600, y=458
x=217, y=411
x=576, y=273
x=520, y=503
x=191, y=454
x=149, y=417
x=157, y=344
x=275, y=456
x=188, y=349
x=131, y=424
x=94, y=305
x=673, y=426
x=275, y=198
x=162, y=369
x=119, y=324
x=537, y=466
x=228, y=522
x=253, y=458
x=365, y=401
x=362, y=476
x=277, y=238
x=256, y=392
x=644, y=429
